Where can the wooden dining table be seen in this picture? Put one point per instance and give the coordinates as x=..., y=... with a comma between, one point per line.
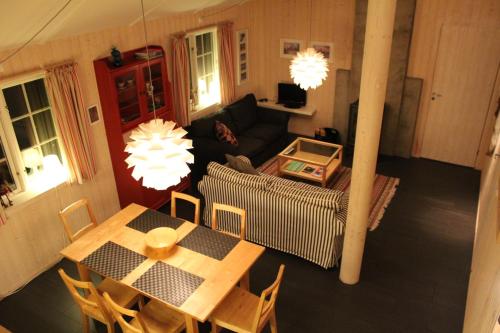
x=196, y=276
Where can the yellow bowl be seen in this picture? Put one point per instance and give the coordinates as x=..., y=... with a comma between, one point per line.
x=160, y=241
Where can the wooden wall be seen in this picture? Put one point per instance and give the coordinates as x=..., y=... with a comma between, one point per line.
x=33, y=235
x=483, y=297
x=429, y=18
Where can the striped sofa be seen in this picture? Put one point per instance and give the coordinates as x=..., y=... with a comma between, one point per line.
x=293, y=217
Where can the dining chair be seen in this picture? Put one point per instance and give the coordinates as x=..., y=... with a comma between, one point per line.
x=65, y=218
x=186, y=197
x=91, y=303
x=245, y=280
x=244, y=312
x=231, y=209
x=152, y=318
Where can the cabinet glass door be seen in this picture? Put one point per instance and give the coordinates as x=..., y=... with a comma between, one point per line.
x=128, y=97
x=158, y=90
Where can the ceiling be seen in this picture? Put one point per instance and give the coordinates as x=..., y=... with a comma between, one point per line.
x=22, y=19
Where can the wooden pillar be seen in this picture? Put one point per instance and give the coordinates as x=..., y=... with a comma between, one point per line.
x=374, y=74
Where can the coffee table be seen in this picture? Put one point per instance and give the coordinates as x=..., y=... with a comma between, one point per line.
x=310, y=159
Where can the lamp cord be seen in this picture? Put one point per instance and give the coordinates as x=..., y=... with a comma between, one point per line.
x=150, y=89
x=310, y=19
x=35, y=35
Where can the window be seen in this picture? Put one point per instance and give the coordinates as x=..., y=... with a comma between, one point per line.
x=30, y=155
x=204, y=69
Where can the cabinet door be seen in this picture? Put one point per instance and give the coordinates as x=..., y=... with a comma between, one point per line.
x=128, y=97
x=158, y=80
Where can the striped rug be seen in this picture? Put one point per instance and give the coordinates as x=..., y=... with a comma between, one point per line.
x=384, y=188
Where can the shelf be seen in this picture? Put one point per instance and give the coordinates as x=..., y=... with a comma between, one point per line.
x=307, y=110
x=126, y=89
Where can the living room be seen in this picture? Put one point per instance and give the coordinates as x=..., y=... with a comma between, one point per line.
x=416, y=271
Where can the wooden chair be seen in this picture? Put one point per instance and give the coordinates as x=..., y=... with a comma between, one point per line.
x=244, y=312
x=245, y=280
x=231, y=209
x=66, y=212
x=186, y=197
x=153, y=317
x=92, y=305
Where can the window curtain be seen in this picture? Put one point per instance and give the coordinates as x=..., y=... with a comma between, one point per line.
x=64, y=90
x=181, y=79
x=225, y=35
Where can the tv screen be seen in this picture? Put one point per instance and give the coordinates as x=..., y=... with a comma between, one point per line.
x=291, y=95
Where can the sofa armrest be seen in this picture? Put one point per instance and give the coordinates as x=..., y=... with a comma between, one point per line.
x=266, y=115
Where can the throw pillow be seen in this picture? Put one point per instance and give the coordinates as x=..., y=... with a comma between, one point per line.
x=238, y=165
x=224, y=134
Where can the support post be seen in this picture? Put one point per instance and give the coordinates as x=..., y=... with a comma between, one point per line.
x=374, y=74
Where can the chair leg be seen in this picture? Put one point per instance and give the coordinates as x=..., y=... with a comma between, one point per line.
x=245, y=281
x=215, y=328
x=110, y=327
x=85, y=323
x=273, y=323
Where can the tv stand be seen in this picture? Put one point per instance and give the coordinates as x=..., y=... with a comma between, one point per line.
x=307, y=110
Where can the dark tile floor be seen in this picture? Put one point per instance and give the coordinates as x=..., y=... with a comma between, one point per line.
x=414, y=276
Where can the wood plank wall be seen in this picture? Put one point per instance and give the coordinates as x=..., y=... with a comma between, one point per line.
x=429, y=18
x=33, y=234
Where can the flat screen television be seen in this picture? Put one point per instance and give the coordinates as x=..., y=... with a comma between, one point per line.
x=291, y=95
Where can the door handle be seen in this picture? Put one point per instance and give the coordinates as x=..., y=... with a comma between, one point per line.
x=435, y=95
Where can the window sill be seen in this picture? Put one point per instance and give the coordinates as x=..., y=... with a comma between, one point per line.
x=202, y=112
x=21, y=200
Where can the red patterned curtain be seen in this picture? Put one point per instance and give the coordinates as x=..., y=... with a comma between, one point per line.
x=67, y=105
x=181, y=79
x=226, y=62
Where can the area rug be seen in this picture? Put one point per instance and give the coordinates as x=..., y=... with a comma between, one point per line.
x=384, y=188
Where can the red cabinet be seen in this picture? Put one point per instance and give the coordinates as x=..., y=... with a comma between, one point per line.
x=125, y=104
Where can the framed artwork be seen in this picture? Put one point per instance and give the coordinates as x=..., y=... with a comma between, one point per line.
x=325, y=48
x=93, y=114
x=242, y=56
x=290, y=47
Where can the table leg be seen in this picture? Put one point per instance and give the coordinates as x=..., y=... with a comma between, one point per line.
x=84, y=275
x=245, y=281
x=191, y=324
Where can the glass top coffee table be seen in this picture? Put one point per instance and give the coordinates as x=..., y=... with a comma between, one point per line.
x=310, y=159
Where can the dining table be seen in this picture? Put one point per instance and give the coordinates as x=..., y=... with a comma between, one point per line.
x=193, y=279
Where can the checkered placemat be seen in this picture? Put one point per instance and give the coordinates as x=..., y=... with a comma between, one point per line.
x=151, y=219
x=209, y=242
x=113, y=260
x=168, y=283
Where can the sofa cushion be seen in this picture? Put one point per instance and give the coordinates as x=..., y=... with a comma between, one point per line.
x=222, y=172
x=224, y=134
x=204, y=127
x=243, y=113
x=331, y=199
x=250, y=146
x=264, y=131
x=239, y=165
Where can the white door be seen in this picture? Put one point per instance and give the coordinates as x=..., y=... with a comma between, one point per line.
x=464, y=77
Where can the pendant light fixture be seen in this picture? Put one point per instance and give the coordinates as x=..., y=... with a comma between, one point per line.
x=309, y=68
x=158, y=152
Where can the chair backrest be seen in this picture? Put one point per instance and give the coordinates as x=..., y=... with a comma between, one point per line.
x=65, y=214
x=118, y=312
x=231, y=209
x=186, y=197
x=267, y=301
x=90, y=305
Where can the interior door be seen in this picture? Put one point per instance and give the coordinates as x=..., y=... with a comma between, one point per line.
x=464, y=76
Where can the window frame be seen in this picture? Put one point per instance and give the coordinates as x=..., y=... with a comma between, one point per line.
x=7, y=134
x=197, y=110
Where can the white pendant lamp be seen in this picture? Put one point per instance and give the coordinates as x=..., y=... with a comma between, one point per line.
x=309, y=68
x=158, y=152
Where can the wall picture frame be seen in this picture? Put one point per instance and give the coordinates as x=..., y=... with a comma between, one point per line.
x=326, y=48
x=242, y=56
x=290, y=47
x=94, y=116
